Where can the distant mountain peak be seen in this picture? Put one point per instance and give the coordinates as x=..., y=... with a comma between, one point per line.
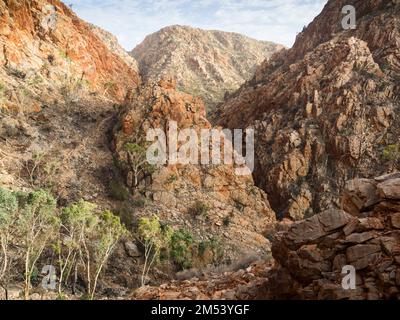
x=205, y=63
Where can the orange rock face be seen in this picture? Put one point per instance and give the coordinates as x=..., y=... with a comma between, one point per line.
x=237, y=211
x=326, y=110
x=41, y=34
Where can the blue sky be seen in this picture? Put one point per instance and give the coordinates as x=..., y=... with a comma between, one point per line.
x=132, y=20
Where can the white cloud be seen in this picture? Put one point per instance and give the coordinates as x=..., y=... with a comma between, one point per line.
x=132, y=20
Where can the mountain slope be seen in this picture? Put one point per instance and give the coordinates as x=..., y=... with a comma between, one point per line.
x=326, y=110
x=46, y=46
x=113, y=45
x=205, y=63
x=58, y=84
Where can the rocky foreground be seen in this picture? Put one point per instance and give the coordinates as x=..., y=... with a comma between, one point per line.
x=310, y=254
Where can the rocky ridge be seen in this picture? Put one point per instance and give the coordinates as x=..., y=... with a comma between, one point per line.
x=113, y=45
x=207, y=64
x=58, y=84
x=49, y=54
x=324, y=111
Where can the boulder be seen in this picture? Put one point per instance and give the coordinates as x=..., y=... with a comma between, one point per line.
x=132, y=249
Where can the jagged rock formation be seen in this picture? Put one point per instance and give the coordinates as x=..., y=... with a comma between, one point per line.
x=113, y=45
x=366, y=235
x=47, y=52
x=310, y=254
x=237, y=212
x=326, y=110
x=207, y=64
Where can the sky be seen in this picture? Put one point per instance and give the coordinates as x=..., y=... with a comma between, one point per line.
x=131, y=20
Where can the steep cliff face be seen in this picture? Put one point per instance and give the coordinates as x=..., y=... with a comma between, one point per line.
x=211, y=201
x=207, y=64
x=113, y=45
x=45, y=47
x=326, y=110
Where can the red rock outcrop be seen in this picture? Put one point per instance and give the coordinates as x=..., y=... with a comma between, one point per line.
x=234, y=210
x=44, y=45
x=243, y=284
x=326, y=110
x=311, y=253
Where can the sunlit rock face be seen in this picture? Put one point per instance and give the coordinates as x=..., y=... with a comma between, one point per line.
x=326, y=110
x=207, y=64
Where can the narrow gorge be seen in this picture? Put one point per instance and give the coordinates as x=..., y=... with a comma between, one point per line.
x=78, y=193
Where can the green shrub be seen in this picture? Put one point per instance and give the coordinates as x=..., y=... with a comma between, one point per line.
x=239, y=206
x=155, y=239
x=217, y=249
x=118, y=191
x=8, y=207
x=172, y=178
x=199, y=209
x=214, y=245
x=8, y=216
x=34, y=277
x=78, y=235
x=37, y=225
x=91, y=239
x=226, y=221
x=181, y=248
x=139, y=203
x=137, y=161
x=391, y=152
x=202, y=247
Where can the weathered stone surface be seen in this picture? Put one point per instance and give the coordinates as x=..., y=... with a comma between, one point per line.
x=359, y=195
x=317, y=226
x=132, y=249
x=369, y=224
x=395, y=220
x=243, y=284
x=232, y=208
x=307, y=104
x=333, y=219
x=312, y=253
x=390, y=189
x=308, y=230
x=50, y=50
x=360, y=237
x=390, y=245
x=351, y=226
x=361, y=250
